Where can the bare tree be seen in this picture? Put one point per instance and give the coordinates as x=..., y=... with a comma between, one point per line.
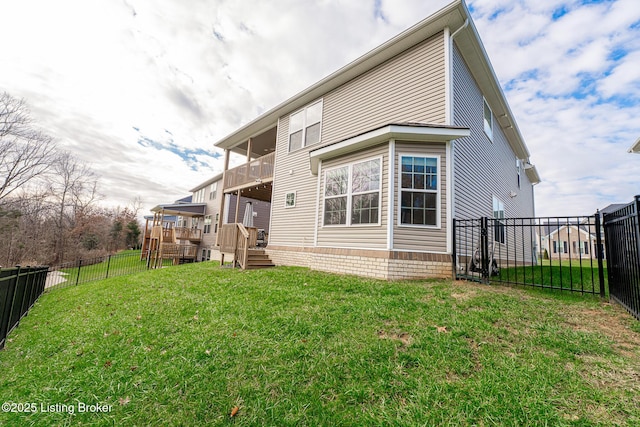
x=73, y=188
x=25, y=153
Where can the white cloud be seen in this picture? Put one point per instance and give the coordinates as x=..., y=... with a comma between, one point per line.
x=200, y=69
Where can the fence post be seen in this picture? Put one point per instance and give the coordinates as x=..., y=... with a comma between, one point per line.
x=454, y=265
x=78, y=275
x=108, y=265
x=484, y=245
x=637, y=228
x=599, y=250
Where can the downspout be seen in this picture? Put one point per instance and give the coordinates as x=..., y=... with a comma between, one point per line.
x=452, y=112
x=465, y=25
x=451, y=115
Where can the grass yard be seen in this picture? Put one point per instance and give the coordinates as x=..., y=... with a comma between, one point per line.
x=578, y=277
x=122, y=263
x=192, y=344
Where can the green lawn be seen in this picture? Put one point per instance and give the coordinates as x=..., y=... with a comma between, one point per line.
x=575, y=276
x=289, y=347
x=122, y=263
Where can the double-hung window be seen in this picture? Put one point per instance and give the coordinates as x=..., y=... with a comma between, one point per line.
x=419, y=190
x=352, y=194
x=207, y=224
x=213, y=190
x=198, y=196
x=304, y=126
x=335, y=196
x=498, y=224
x=488, y=119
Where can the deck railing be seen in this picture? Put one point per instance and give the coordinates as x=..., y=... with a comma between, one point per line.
x=178, y=252
x=257, y=170
x=237, y=239
x=187, y=233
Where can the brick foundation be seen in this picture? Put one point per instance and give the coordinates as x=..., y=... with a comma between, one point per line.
x=388, y=265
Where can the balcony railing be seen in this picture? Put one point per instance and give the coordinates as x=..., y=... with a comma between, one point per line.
x=258, y=170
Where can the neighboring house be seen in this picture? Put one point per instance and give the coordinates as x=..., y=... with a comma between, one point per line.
x=635, y=148
x=194, y=219
x=366, y=169
x=568, y=240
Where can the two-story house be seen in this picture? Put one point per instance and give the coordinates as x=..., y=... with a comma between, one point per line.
x=366, y=169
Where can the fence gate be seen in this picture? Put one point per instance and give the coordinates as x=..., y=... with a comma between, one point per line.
x=563, y=253
x=622, y=241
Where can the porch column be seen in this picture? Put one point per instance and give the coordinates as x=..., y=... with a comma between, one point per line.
x=224, y=180
x=239, y=193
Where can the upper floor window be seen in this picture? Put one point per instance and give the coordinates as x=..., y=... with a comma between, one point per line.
x=304, y=126
x=207, y=224
x=352, y=194
x=213, y=190
x=518, y=170
x=419, y=190
x=198, y=196
x=488, y=119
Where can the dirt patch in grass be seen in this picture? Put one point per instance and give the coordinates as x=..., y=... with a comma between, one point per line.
x=471, y=289
x=404, y=337
x=614, y=323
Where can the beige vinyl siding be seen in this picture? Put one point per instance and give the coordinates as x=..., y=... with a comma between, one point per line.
x=409, y=87
x=413, y=238
x=484, y=168
x=357, y=236
x=292, y=226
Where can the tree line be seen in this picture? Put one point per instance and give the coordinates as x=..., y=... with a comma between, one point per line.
x=49, y=199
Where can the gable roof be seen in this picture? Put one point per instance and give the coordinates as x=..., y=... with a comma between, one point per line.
x=454, y=16
x=635, y=148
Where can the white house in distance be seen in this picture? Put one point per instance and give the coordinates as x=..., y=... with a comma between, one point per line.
x=366, y=169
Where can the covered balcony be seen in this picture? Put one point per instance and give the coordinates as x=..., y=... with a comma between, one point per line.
x=253, y=178
x=252, y=173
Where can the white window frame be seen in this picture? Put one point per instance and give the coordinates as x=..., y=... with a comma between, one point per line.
x=198, y=196
x=437, y=192
x=213, y=190
x=206, y=229
x=519, y=171
x=349, y=194
x=286, y=200
x=487, y=125
x=305, y=126
x=503, y=235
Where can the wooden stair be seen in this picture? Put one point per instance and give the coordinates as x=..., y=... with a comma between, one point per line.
x=257, y=258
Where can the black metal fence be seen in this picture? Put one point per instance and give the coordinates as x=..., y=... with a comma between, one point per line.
x=622, y=238
x=20, y=287
x=563, y=253
x=98, y=268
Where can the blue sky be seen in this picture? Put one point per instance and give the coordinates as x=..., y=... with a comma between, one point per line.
x=141, y=90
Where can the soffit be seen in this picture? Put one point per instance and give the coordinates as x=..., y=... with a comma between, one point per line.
x=407, y=132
